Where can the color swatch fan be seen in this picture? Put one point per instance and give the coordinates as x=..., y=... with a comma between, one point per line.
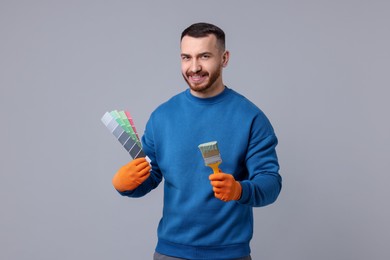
x=121, y=125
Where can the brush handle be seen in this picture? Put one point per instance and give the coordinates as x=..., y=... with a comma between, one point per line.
x=214, y=166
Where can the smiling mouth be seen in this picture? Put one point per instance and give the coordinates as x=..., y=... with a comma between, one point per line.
x=196, y=78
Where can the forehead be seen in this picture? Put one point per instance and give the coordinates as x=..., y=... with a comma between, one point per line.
x=192, y=45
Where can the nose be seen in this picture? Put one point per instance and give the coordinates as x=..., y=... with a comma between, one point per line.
x=195, y=66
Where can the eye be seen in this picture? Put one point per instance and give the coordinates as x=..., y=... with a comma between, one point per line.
x=205, y=56
x=185, y=58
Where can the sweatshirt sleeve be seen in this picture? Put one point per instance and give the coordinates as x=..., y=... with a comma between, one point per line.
x=155, y=174
x=264, y=182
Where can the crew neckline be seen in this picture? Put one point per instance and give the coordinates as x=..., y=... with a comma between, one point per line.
x=210, y=100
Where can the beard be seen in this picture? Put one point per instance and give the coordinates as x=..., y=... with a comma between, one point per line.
x=204, y=86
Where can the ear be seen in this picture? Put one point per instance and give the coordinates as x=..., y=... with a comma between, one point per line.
x=225, y=58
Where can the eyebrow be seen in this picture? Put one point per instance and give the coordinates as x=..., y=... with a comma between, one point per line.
x=199, y=55
x=205, y=53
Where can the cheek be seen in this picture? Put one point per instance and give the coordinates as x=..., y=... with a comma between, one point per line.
x=184, y=69
x=211, y=68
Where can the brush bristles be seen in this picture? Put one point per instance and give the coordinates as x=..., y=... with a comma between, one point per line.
x=210, y=152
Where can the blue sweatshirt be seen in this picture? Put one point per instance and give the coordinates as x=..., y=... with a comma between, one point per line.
x=195, y=224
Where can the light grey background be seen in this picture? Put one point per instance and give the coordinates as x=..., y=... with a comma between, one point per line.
x=318, y=69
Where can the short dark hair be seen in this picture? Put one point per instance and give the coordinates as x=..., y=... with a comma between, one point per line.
x=199, y=30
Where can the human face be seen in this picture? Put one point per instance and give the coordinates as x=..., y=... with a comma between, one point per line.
x=202, y=61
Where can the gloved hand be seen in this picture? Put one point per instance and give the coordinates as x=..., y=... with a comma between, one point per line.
x=225, y=187
x=131, y=175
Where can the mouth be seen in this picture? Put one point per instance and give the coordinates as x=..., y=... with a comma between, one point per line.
x=197, y=78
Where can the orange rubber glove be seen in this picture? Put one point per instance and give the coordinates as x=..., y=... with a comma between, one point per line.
x=131, y=175
x=225, y=187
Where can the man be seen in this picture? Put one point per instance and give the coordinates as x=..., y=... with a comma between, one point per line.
x=205, y=215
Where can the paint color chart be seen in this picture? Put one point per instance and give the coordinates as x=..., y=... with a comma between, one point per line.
x=121, y=125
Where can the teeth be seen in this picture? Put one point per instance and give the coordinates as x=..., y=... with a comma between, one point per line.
x=196, y=77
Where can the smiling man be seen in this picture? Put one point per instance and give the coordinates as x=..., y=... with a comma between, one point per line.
x=204, y=217
x=202, y=61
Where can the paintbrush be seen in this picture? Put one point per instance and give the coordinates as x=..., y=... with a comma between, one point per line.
x=211, y=155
